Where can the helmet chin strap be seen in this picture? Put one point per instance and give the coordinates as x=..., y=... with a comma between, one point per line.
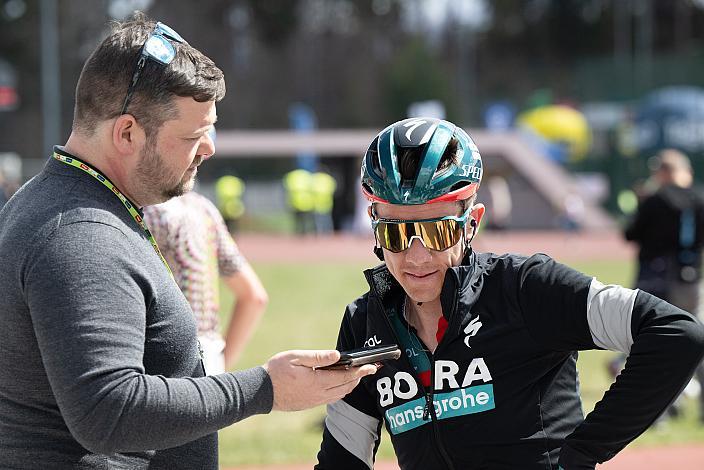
x=378, y=251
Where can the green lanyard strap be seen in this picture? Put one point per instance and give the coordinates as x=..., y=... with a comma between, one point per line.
x=412, y=347
x=126, y=202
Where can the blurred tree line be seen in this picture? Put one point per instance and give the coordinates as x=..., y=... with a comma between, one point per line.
x=361, y=63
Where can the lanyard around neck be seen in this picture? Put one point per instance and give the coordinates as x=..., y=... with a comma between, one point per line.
x=412, y=346
x=126, y=202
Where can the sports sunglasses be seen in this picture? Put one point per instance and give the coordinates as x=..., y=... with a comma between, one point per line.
x=157, y=47
x=436, y=234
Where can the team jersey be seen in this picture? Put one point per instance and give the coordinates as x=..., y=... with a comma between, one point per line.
x=502, y=390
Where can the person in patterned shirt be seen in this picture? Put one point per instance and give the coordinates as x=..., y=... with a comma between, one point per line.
x=195, y=241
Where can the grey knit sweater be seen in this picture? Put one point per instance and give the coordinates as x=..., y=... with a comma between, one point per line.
x=99, y=363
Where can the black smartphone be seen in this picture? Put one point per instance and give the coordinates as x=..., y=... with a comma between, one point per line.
x=359, y=357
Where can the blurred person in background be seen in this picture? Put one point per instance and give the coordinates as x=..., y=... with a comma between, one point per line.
x=499, y=195
x=228, y=193
x=323, y=187
x=4, y=196
x=487, y=378
x=668, y=228
x=198, y=247
x=298, y=184
x=99, y=358
x=9, y=183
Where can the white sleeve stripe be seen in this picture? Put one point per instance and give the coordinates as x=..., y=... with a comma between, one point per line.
x=609, y=312
x=354, y=430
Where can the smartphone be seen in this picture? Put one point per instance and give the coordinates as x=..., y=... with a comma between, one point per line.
x=359, y=357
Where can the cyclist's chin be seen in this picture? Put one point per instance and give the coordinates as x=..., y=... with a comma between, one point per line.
x=423, y=289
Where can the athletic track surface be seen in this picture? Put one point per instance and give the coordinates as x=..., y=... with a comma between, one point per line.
x=563, y=246
x=662, y=458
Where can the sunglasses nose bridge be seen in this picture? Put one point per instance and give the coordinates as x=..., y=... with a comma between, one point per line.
x=417, y=254
x=416, y=237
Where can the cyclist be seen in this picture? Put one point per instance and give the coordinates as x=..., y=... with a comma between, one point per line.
x=488, y=376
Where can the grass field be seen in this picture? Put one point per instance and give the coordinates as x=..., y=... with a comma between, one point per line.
x=306, y=304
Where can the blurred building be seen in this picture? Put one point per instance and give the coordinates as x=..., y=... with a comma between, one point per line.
x=360, y=64
x=543, y=194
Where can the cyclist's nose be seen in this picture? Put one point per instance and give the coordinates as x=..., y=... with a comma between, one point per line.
x=417, y=253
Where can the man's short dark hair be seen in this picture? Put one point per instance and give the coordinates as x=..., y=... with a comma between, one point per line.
x=409, y=159
x=106, y=75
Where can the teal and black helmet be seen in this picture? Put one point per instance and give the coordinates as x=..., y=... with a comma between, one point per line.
x=381, y=178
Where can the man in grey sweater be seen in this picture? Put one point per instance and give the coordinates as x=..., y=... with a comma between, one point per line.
x=99, y=362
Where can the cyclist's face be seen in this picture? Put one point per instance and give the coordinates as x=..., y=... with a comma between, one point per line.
x=420, y=270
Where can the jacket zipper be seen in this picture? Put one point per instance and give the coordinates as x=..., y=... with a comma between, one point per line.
x=429, y=410
x=433, y=418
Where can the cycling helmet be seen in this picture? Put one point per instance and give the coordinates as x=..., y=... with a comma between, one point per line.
x=381, y=179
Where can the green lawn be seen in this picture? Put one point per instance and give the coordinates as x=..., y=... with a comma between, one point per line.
x=306, y=304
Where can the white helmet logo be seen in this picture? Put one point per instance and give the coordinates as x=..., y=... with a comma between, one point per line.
x=415, y=124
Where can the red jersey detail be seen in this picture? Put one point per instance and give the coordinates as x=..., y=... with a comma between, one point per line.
x=425, y=378
x=442, y=327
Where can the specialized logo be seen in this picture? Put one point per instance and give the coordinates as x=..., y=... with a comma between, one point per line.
x=460, y=402
x=471, y=329
x=426, y=128
x=413, y=125
x=473, y=171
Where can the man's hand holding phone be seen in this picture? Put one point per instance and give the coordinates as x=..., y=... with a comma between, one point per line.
x=359, y=357
x=298, y=384
x=304, y=379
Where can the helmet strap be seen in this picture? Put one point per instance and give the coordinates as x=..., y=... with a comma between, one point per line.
x=372, y=211
x=378, y=251
x=468, y=243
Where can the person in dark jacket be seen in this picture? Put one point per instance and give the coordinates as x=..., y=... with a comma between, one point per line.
x=487, y=378
x=669, y=230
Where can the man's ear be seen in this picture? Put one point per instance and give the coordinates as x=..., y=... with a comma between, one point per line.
x=127, y=136
x=476, y=214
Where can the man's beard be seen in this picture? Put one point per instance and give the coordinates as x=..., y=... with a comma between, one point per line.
x=151, y=173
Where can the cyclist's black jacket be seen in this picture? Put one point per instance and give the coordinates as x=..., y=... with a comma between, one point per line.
x=506, y=393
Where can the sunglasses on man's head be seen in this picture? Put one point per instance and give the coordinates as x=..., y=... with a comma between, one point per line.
x=157, y=47
x=436, y=234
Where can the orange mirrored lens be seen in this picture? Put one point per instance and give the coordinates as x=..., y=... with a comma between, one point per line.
x=437, y=235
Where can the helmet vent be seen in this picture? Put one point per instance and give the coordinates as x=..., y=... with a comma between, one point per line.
x=458, y=185
x=439, y=171
x=373, y=155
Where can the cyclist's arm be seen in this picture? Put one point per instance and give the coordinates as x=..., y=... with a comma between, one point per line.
x=664, y=345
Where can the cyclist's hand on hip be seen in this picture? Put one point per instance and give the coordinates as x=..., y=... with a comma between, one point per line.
x=573, y=459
